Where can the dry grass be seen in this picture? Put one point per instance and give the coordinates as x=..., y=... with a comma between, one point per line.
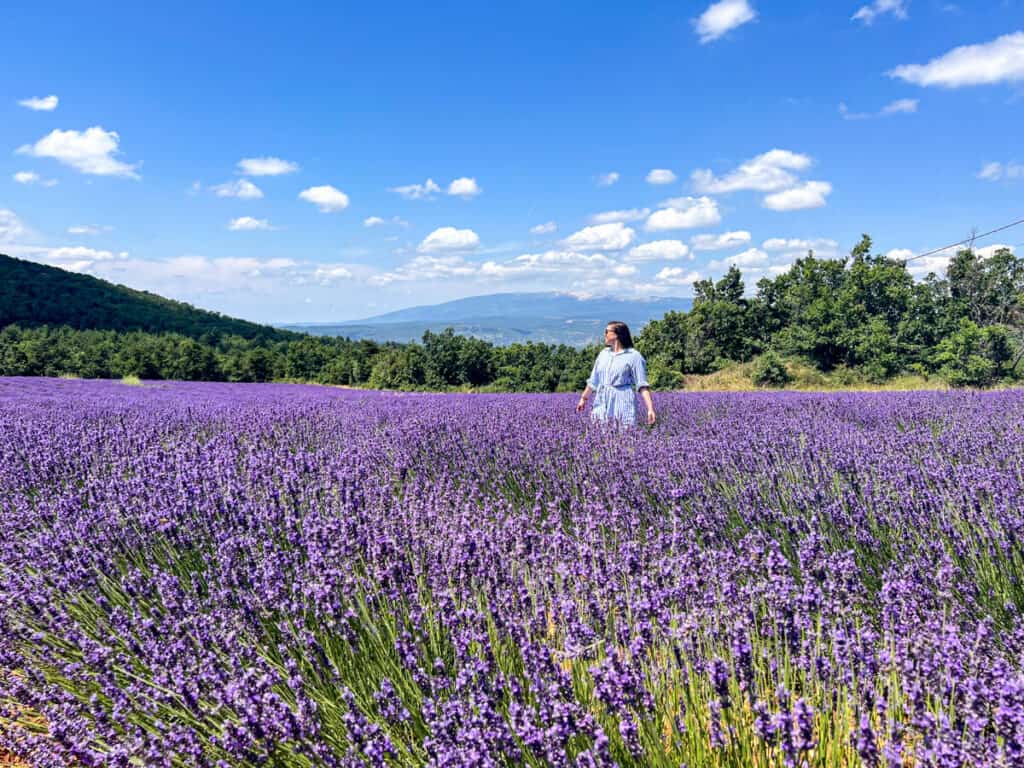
x=7, y=760
x=740, y=378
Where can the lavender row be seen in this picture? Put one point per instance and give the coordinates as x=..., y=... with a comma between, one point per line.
x=224, y=575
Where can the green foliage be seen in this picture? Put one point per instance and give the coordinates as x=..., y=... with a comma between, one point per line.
x=770, y=371
x=33, y=295
x=974, y=356
x=862, y=320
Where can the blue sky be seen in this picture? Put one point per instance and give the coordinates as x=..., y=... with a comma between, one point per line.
x=333, y=161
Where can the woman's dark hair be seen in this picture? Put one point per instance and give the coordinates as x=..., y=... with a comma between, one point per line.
x=621, y=332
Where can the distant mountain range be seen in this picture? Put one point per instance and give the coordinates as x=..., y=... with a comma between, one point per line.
x=506, y=318
x=33, y=294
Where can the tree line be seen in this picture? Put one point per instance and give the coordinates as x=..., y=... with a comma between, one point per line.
x=865, y=314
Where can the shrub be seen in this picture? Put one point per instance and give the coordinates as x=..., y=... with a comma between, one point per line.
x=770, y=371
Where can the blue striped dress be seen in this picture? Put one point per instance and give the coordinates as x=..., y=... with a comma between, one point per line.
x=615, y=377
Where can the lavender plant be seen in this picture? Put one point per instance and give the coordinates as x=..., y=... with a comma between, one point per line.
x=230, y=575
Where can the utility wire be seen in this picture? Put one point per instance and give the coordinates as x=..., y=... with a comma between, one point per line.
x=963, y=242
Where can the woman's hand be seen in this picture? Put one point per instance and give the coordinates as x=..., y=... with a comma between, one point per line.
x=581, y=404
x=651, y=418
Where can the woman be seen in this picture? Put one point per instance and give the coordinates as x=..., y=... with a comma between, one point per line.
x=618, y=369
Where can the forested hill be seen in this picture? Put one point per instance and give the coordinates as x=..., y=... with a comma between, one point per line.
x=32, y=295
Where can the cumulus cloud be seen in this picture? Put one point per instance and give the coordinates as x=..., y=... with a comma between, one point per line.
x=722, y=17
x=684, y=213
x=326, y=198
x=243, y=189
x=628, y=215
x=548, y=262
x=752, y=257
x=328, y=273
x=449, y=239
x=544, y=229
x=602, y=237
x=677, y=276
x=1000, y=171
x=247, y=223
x=43, y=104
x=659, y=250
x=660, y=176
x=266, y=166
x=377, y=221
x=998, y=61
x=812, y=194
x=90, y=151
x=768, y=172
x=426, y=267
x=899, y=254
x=464, y=187
x=868, y=13
x=720, y=242
x=607, y=179
x=424, y=191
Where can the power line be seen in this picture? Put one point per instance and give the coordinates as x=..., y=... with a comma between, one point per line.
x=963, y=242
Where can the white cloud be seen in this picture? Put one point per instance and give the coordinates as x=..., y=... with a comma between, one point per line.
x=243, y=189
x=544, y=229
x=999, y=171
x=90, y=151
x=721, y=17
x=246, y=223
x=426, y=267
x=900, y=254
x=898, y=107
x=602, y=237
x=329, y=273
x=11, y=227
x=631, y=214
x=548, y=262
x=44, y=104
x=623, y=270
x=868, y=13
x=607, y=179
x=464, y=188
x=752, y=257
x=768, y=172
x=87, y=229
x=999, y=61
x=266, y=166
x=988, y=251
x=677, y=276
x=812, y=194
x=797, y=244
x=424, y=191
x=449, y=239
x=326, y=198
x=80, y=253
x=659, y=250
x=373, y=221
x=720, y=242
x=31, y=177
x=660, y=176
x=684, y=213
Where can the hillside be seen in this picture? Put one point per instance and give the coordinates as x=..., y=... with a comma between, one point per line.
x=33, y=294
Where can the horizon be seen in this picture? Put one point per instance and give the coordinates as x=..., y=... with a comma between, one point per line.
x=351, y=162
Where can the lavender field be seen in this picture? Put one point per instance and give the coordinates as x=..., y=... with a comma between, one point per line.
x=235, y=575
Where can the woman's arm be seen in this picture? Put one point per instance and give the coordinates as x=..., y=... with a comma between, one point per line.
x=645, y=393
x=583, y=398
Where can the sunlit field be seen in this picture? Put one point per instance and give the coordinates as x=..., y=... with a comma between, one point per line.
x=235, y=575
